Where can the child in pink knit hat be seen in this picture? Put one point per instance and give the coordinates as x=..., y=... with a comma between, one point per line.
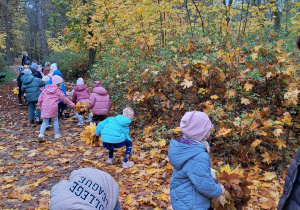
x=48, y=103
x=192, y=184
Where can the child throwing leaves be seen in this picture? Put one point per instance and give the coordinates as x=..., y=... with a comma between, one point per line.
x=192, y=184
x=48, y=103
x=114, y=133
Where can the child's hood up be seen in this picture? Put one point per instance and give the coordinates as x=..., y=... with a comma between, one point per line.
x=51, y=89
x=27, y=79
x=122, y=120
x=100, y=90
x=180, y=153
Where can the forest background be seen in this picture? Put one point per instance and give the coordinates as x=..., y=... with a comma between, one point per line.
x=235, y=60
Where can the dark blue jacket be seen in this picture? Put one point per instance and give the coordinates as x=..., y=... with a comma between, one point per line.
x=290, y=199
x=31, y=86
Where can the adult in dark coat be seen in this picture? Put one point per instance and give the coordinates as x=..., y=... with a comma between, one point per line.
x=290, y=199
x=34, y=69
x=25, y=58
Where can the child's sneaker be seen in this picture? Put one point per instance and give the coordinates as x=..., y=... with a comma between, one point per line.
x=41, y=138
x=80, y=124
x=57, y=136
x=128, y=164
x=111, y=161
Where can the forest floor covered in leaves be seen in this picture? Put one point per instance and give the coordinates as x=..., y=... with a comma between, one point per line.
x=30, y=169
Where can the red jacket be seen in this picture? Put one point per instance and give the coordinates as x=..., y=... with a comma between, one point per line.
x=46, y=70
x=99, y=101
x=81, y=92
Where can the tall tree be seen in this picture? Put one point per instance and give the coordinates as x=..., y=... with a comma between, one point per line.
x=7, y=28
x=41, y=29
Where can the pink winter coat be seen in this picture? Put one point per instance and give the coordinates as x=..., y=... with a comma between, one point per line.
x=81, y=92
x=99, y=101
x=48, y=101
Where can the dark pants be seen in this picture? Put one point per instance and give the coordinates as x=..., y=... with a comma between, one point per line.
x=98, y=118
x=128, y=150
x=20, y=96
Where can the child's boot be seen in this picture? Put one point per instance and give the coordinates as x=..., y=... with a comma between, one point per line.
x=111, y=161
x=57, y=136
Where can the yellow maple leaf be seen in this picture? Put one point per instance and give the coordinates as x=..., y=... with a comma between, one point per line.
x=128, y=200
x=214, y=97
x=26, y=197
x=226, y=168
x=287, y=120
x=88, y=134
x=162, y=143
x=256, y=48
x=291, y=70
x=254, y=56
x=248, y=86
x=201, y=90
x=16, y=91
x=255, y=143
x=223, y=132
x=186, y=83
x=266, y=157
x=280, y=143
x=176, y=130
x=277, y=132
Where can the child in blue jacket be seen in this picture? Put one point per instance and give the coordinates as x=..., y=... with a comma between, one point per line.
x=192, y=184
x=114, y=133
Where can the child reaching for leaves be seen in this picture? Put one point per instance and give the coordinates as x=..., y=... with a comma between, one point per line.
x=48, y=103
x=192, y=184
x=114, y=133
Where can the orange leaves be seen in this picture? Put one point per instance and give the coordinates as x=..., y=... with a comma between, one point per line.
x=223, y=132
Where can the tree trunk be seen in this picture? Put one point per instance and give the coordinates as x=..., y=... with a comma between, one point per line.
x=7, y=30
x=41, y=29
x=277, y=20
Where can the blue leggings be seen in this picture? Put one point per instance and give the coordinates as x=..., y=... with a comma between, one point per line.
x=128, y=150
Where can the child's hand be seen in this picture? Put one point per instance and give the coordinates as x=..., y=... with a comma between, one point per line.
x=223, y=189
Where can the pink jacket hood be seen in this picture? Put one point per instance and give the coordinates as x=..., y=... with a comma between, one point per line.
x=100, y=90
x=97, y=84
x=81, y=93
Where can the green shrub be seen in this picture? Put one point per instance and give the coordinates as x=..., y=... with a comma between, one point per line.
x=72, y=65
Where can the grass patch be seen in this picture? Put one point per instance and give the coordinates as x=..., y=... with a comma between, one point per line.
x=10, y=76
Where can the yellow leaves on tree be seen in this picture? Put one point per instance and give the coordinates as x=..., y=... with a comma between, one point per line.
x=88, y=134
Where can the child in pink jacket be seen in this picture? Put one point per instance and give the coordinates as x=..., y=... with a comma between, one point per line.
x=48, y=103
x=99, y=101
x=81, y=94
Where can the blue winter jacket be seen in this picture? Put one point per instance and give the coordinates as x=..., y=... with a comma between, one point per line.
x=114, y=129
x=191, y=184
x=31, y=86
x=63, y=88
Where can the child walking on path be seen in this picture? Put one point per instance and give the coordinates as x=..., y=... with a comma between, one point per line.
x=31, y=86
x=114, y=133
x=99, y=101
x=19, y=81
x=48, y=102
x=81, y=94
x=192, y=184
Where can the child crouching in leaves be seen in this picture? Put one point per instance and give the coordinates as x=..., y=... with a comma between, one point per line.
x=48, y=103
x=114, y=133
x=192, y=184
